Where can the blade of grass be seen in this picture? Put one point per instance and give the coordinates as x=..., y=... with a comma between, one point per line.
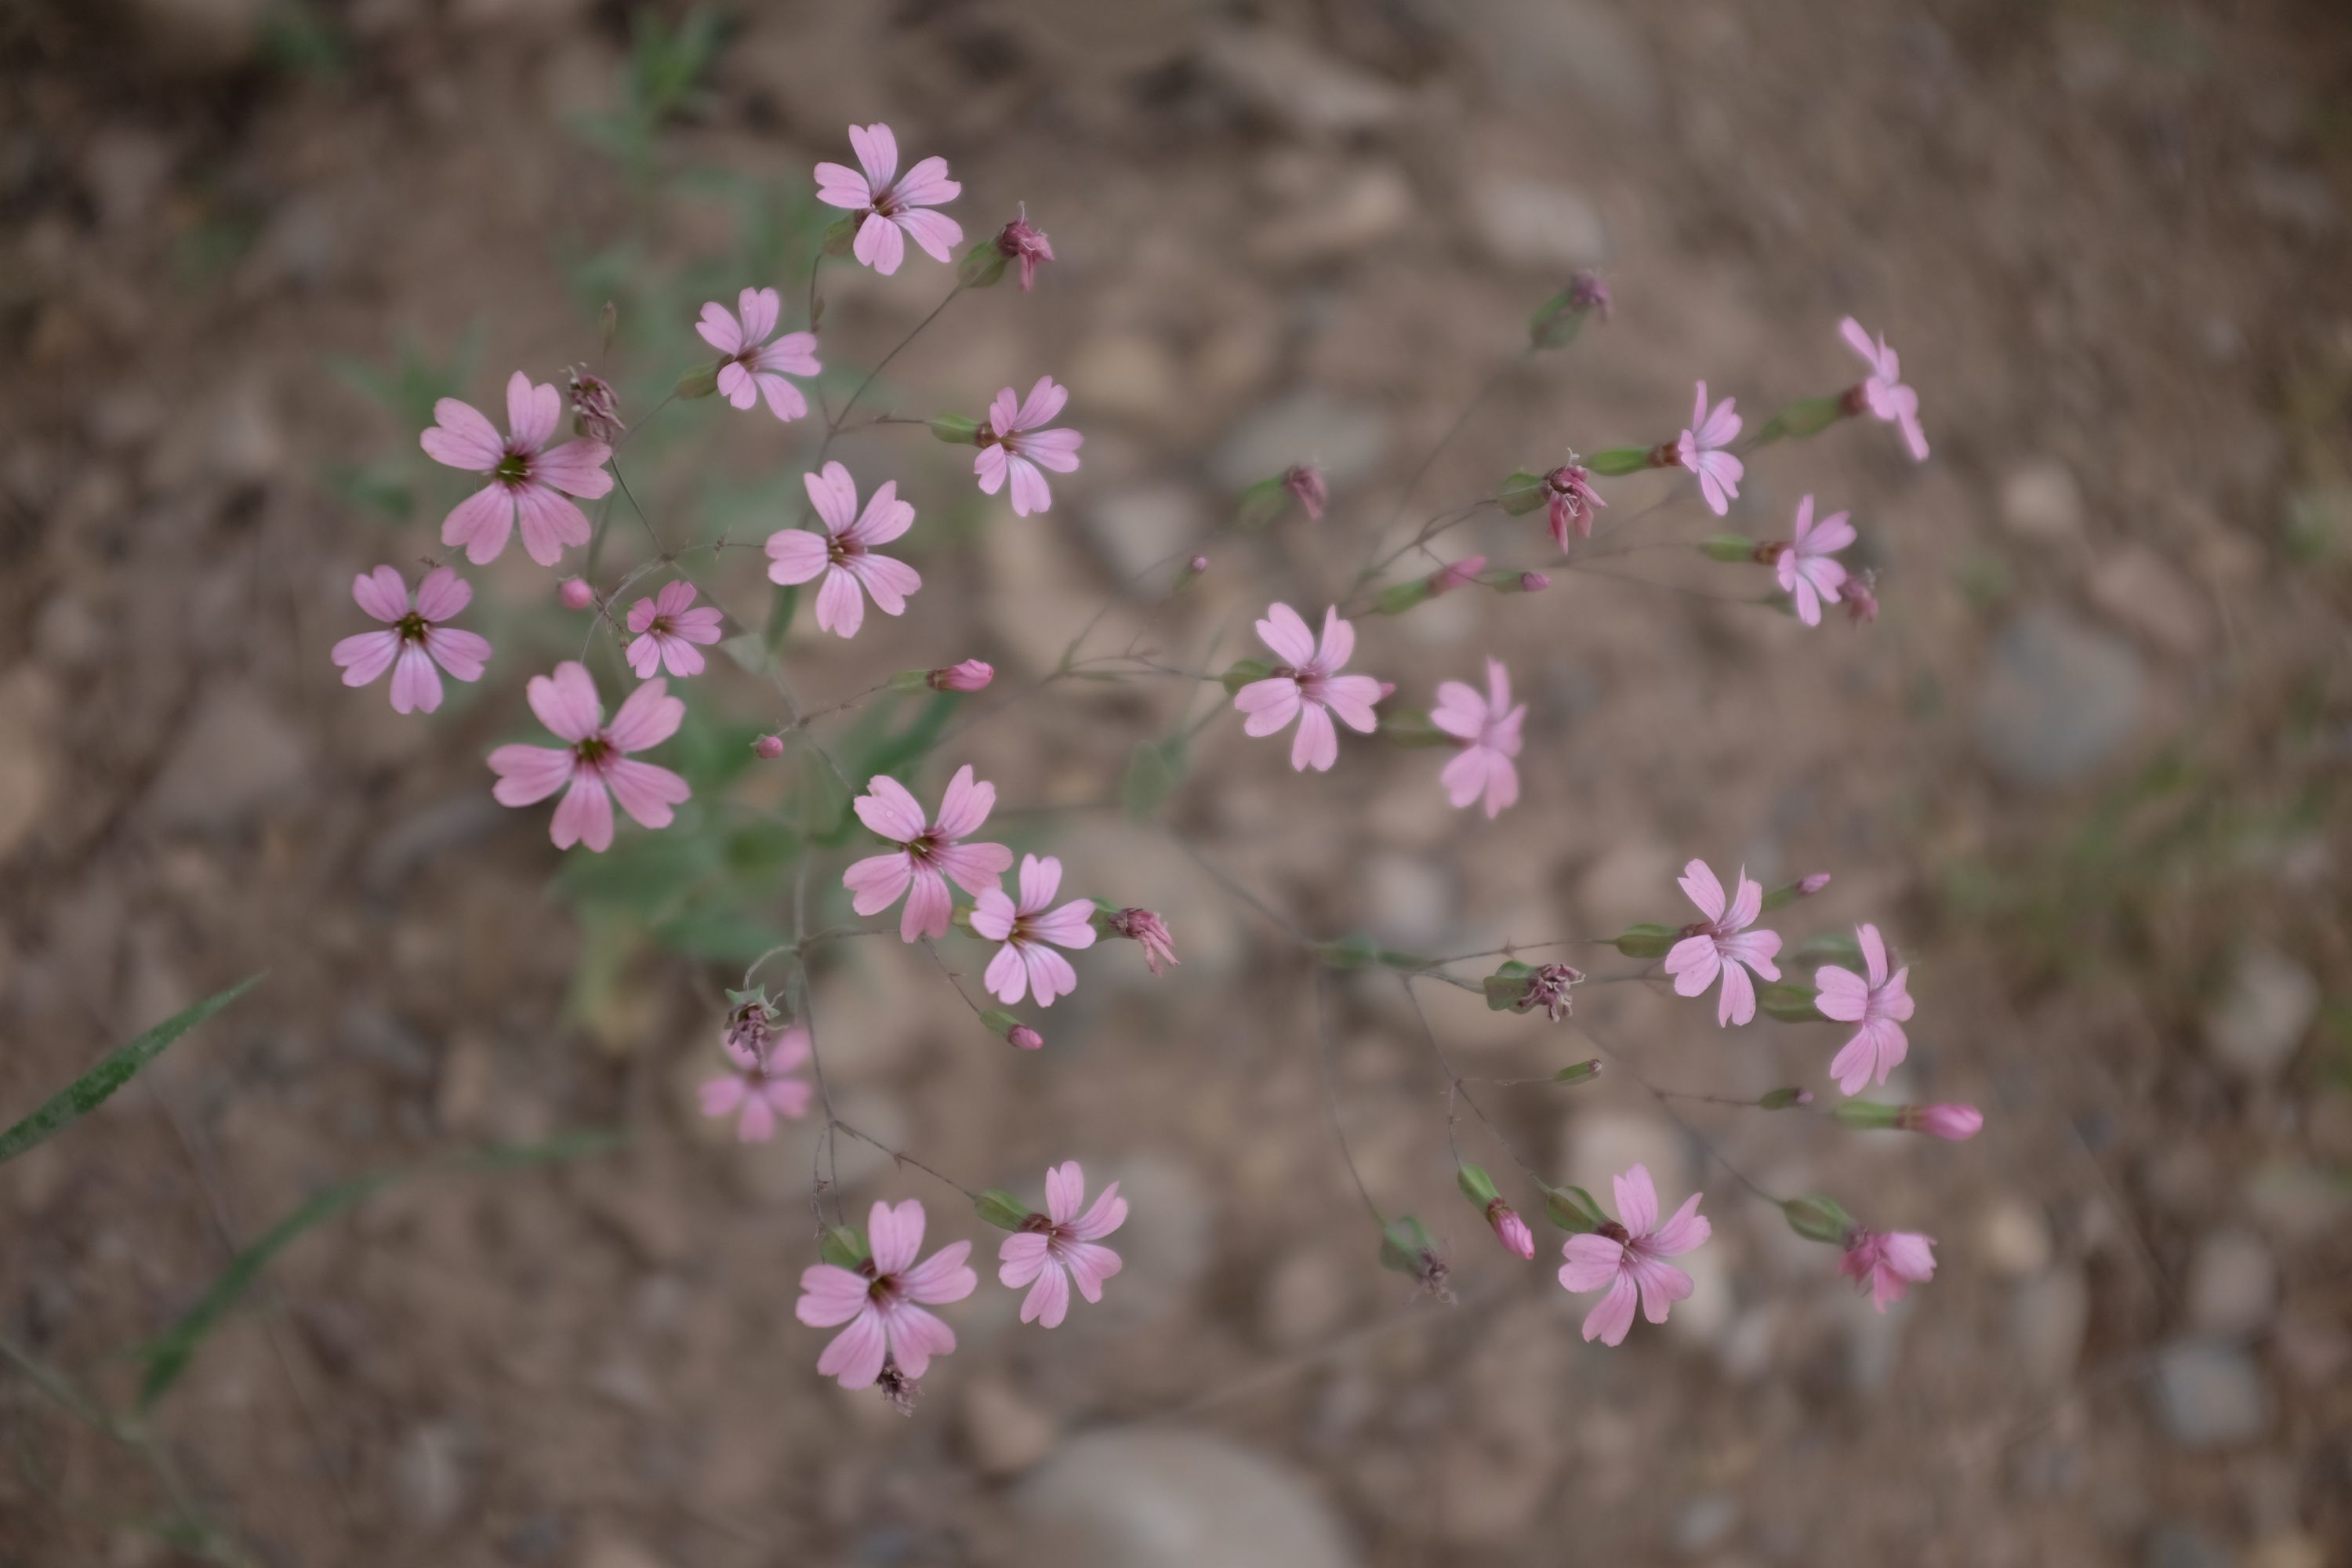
x=114, y=1070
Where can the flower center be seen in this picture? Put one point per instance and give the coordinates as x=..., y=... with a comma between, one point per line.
x=661, y=626
x=594, y=751
x=923, y=849
x=1616, y=1233
x=841, y=548
x=885, y=1289
x=514, y=468
x=412, y=626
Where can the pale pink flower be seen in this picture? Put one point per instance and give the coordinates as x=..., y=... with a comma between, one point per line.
x=929, y=853
x=1305, y=481
x=1888, y=1261
x=1804, y=567
x=1025, y=963
x=883, y=1300
x=525, y=473
x=1017, y=241
x=1062, y=1244
x=1627, y=1255
x=1488, y=729
x=1511, y=1230
x=1702, y=451
x=1721, y=943
x=971, y=675
x=756, y=1092
x=1013, y=444
x=418, y=638
x=844, y=551
x=596, y=763
x=1879, y=1004
x=1141, y=925
x=754, y=367
x=1884, y=393
x=667, y=625
x=1570, y=499
x=1307, y=686
x=1958, y=1123
x=896, y=207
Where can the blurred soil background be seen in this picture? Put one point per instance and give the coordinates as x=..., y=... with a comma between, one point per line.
x=2089, y=769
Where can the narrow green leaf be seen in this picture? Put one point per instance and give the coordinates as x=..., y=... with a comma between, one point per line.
x=114, y=1070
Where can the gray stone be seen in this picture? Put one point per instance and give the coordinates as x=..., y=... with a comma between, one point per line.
x=1163, y=1499
x=1005, y=1433
x=434, y=1475
x=1704, y=1523
x=2210, y=1394
x=2059, y=700
x=1544, y=49
x=2041, y=502
x=1295, y=86
x=236, y=756
x=2179, y=1546
x=1535, y=224
x=1342, y=213
x=2140, y=590
x=2256, y=1026
x=2048, y=1316
x=2232, y=1282
x=1347, y=440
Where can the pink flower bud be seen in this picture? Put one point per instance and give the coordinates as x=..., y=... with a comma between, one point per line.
x=575, y=594
x=1533, y=582
x=1510, y=1229
x=1016, y=241
x=1588, y=291
x=1459, y=574
x=1956, y=1123
x=1025, y=1037
x=1305, y=480
x=1143, y=926
x=971, y=675
x=1200, y=564
x=1808, y=886
x=768, y=748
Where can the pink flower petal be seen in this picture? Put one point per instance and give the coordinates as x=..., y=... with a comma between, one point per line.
x=584, y=815
x=462, y=438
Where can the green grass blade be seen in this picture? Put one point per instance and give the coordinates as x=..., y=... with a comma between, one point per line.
x=114, y=1070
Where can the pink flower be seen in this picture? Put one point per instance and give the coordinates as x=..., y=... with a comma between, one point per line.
x=1061, y=1246
x=754, y=367
x=1958, y=1123
x=1021, y=1036
x=927, y=853
x=1805, y=569
x=895, y=207
x=1307, y=686
x=1889, y=1261
x=1571, y=499
x=1305, y=481
x=1626, y=1256
x=417, y=641
x=525, y=474
x=971, y=675
x=575, y=594
x=1884, y=393
x=883, y=1300
x=844, y=551
x=768, y=748
x=1878, y=1003
x=1512, y=1231
x=1025, y=963
x=1701, y=451
x=758, y=1093
x=1142, y=926
x=1011, y=443
x=1488, y=729
x=596, y=763
x=668, y=630
x=1861, y=596
x=1016, y=241
x=1717, y=944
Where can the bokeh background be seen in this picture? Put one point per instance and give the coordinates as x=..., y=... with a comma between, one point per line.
x=2088, y=768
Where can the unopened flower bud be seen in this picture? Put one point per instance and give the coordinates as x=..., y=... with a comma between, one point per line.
x=1808, y=886
x=1533, y=582
x=1445, y=579
x=1789, y=892
x=575, y=594
x=768, y=748
x=1817, y=1218
x=1559, y=319
x=971, y=675
x=1305, y=481
x=1582, y=1072
x=1957, y=1123
x=1199, y=564
x=1510, y=1229
x=1587, y=291
x=1475, y=1184
x=1141, y=925
x=1017, y=241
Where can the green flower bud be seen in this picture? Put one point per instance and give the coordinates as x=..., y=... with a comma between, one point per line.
x=1476, y=1185
x=1818, y=1218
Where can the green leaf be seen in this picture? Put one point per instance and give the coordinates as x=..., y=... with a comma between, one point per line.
x=168, y=1357
x=1152, y=775
x=114, y=1070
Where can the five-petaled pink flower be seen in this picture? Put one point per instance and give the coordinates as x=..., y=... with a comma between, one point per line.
x=1025, y=963
x=1488, y=729
x=1062, y=1244
x=754, y=367
x=525, y=473
x=882, y=1301
x=896, y=207
x=1889, y=1262
x=418, y=639
x=667, y=625
x=1722, y=942
x=1307, y=686
x=1884, y=393
x=1879, y=1004
x=927, y=853
x=756, y=1092
x=844, y=551
x=1627, y=1254
x=596, y=763
x=1701, y=449
x=1805, y=570
x=1013, y=443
